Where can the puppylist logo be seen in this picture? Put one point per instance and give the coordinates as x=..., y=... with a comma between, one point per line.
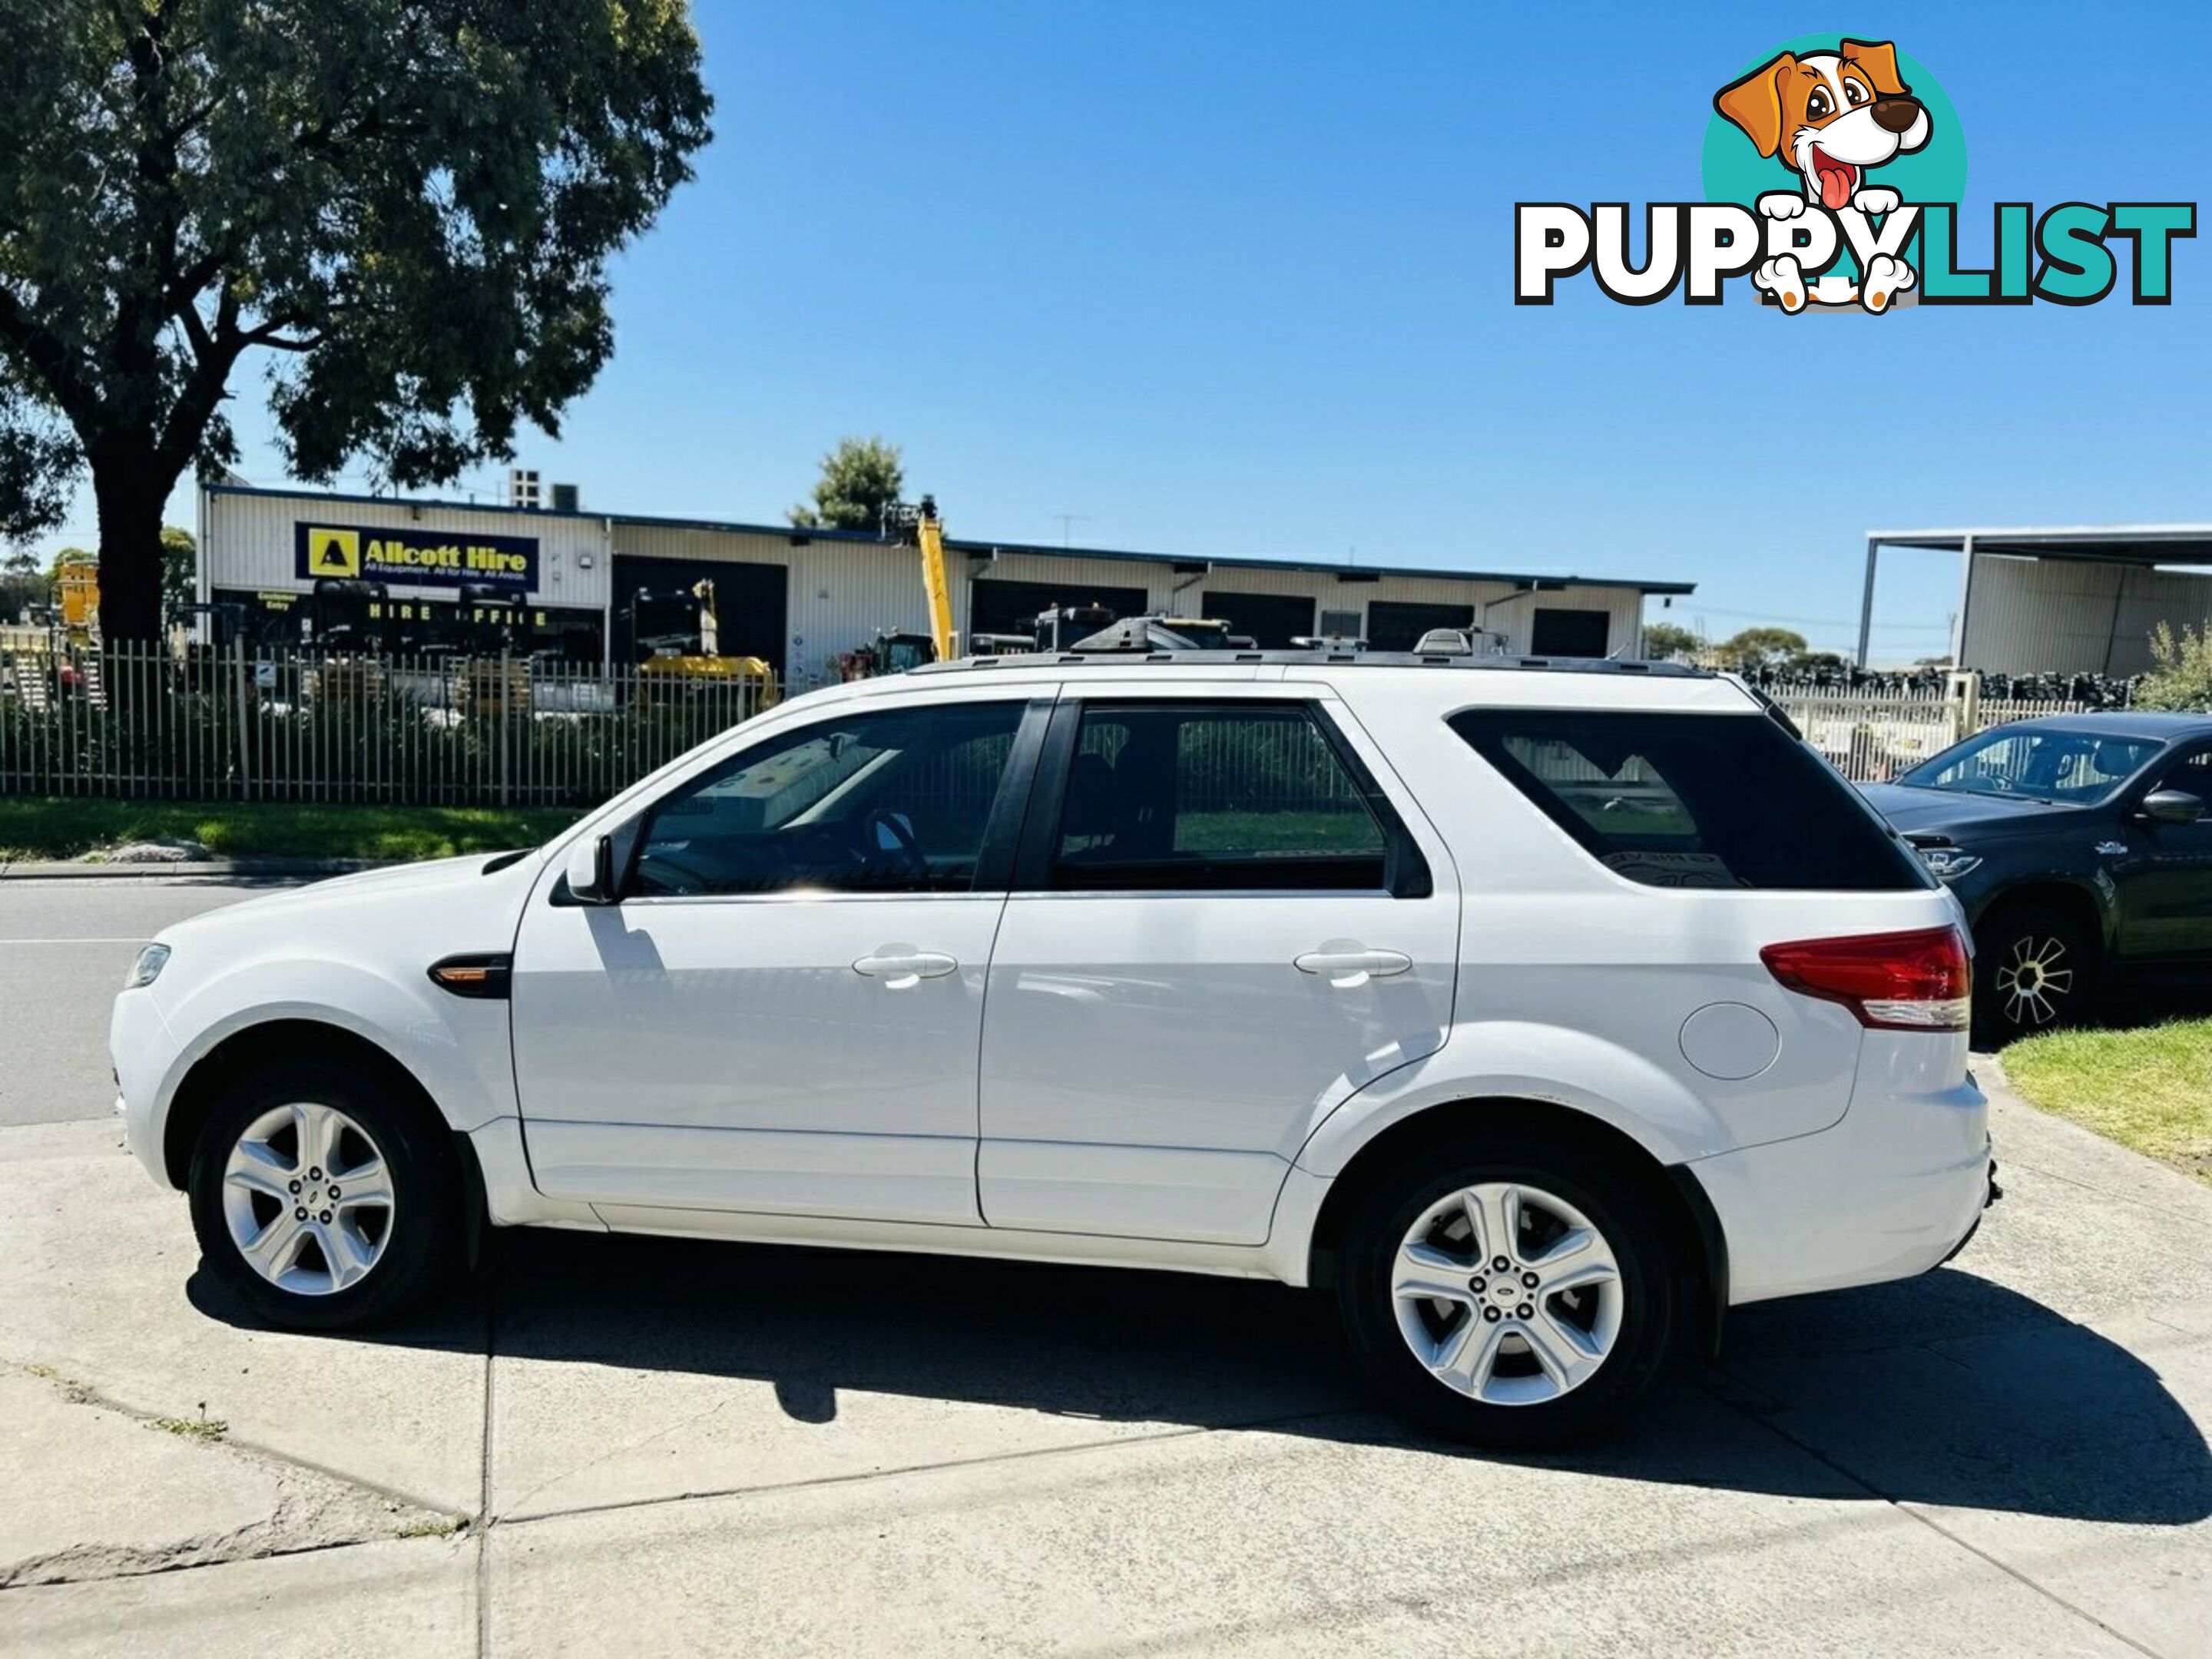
x=1834, y=172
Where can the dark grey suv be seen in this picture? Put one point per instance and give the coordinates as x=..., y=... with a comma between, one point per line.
x=2080, y=847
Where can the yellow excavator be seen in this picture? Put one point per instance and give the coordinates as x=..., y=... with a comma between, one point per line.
x=892, y=651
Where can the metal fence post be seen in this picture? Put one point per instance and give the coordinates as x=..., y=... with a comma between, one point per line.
x=1968, y=686
x=238, y=673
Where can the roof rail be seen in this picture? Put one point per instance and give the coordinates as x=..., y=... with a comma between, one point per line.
x=1671, y=670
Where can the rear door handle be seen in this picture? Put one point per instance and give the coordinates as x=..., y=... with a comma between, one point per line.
x=901, y=967
x=1348, y=967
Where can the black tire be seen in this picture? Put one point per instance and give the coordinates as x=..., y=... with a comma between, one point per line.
x=2014, y=999
x=425, y=1237
x=1608, y=1197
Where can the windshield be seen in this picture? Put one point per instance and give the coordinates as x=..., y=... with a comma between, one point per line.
x=2036, y=763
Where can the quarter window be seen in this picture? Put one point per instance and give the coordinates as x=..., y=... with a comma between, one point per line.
x=1694, y=800
x=876, y=801
x=1213, y=797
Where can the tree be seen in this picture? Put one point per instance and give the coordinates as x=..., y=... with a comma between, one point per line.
x=2181, y=670
x=180, y=568
x=22, y=585
x=1759, y=647
x=1663, y=642
x=68, y=556
x=859, y=479
x=409, y=204
x=181, y=560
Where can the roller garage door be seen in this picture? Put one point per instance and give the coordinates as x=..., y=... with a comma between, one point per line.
x=1272, y=620
x=1398, y=624
x=1009, y=607
x=1570, y=633
x=750, y=602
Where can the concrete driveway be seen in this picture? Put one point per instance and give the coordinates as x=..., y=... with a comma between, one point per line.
x=661, y=1447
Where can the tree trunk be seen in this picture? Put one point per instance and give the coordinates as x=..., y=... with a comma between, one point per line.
x=130, y=495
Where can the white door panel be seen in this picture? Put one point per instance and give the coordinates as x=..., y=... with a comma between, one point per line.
x=1154, y=1061
x=745, y=1061
x=784, y=1012
x=1199, y=963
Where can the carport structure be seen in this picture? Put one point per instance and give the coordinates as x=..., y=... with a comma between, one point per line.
x=2080, y=600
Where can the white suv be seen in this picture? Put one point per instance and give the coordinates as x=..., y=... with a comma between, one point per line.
x=1544, y=1012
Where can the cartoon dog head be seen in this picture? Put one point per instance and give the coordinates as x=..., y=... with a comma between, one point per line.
x=1832, y=115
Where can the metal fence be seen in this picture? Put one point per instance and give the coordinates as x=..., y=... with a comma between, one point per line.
x=1871, y=738
x=437, y=731
x=452, y=730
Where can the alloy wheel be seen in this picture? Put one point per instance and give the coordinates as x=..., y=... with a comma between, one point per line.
x=2034, y=980
x=307, y=1198
x=1507, y=1293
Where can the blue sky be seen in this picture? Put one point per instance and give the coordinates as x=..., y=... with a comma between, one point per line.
x=1236, y=279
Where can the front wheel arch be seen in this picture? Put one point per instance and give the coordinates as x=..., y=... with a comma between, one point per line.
x=2075, y=904
x=269, y=1043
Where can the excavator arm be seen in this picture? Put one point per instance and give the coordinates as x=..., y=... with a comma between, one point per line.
x=929, y=535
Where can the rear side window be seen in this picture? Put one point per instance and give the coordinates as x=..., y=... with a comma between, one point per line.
x=1694, y=800
x=1213, y=798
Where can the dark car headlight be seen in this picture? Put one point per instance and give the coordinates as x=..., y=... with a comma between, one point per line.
x=1949, y=863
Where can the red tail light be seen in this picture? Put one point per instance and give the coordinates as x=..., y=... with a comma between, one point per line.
x=1917, y=982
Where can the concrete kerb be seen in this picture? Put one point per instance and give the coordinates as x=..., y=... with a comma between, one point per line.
x=208, y=869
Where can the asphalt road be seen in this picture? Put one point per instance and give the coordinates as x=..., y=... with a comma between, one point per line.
x=65, y=947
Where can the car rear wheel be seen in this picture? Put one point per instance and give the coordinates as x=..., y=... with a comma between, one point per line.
x=2034, y=970
x=322, y=1200
x=1513, y=1296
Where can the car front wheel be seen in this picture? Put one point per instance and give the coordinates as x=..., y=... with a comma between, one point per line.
x=1514, y=1296
x=322, y=1200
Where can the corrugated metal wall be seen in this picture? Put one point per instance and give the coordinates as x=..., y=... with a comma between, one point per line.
x=2067, y=616
x=841, y=593
x=249, y=541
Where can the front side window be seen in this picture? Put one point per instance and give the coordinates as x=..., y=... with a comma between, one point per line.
x=2036, y=763
x=881, y=801
x=2192, y=776
x=1693, y=800
x=1213, y=797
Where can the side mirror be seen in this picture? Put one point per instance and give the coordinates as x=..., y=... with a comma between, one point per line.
x=2172, y=806
x=591, y=871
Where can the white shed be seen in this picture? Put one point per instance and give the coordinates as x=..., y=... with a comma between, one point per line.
x=800, y=598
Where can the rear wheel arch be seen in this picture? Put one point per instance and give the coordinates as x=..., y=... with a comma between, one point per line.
x=269, y=1043
x=1677, y=1204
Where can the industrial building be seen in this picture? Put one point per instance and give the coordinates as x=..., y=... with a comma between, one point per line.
x=2079, y=600
x=801, y=599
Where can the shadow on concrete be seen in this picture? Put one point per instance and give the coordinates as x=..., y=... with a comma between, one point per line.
x=1947, y=1389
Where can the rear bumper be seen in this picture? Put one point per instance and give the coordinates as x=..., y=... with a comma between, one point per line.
x=1895, y=1188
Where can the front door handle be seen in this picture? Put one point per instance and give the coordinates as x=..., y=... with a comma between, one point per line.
x=1347, y=967
x=901, y=967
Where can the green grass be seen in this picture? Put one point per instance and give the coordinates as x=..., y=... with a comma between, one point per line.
x=207, y=1430
x=39, y=828
x=2150, y=1089
x=435, y=1527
